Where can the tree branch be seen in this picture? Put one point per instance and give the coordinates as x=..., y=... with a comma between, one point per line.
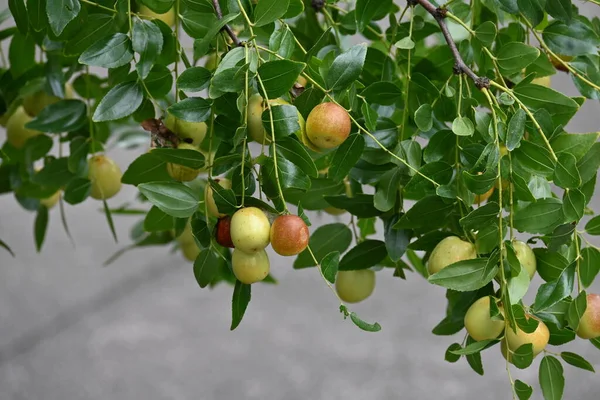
x=439, y=14
x=227, y=28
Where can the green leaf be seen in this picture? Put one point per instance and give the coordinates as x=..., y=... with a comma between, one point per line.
x=387, y=190
x=535, y=159
x=206, y=267
x=589, y=163
x=576, y=144
x=55, y=173
x=428, y=213
x=60, y=13
x=77, y=190
x=463, y=126
x=577, y=361
x=537, y=97
x=360, y=204
x=346, y=68
x=109, y=220
x=576, y=309
x=481, y=216
x=523, y=390
x=366, y=10
x=424, y=118
x=295, y=152
x=174, y=198
x=559, y=9
x=514, y=56
x=474, y=360
x=97, y=27
x=573, y=205
x=533, y=10
x=565, y=172
x=551, y=293
x=37, y=147
x=186, y=157
x=109, y=52
x=239, y=302
x=385, y=93
x=516, y=129
x=279, y=76
x=329, y=265
x=551, y=378
x=198, y=24
x=364, y=255
x=201, y=231
x=192, y=109
x=405, y=43
x=375, y=327
x=523, y=356
x=467, y=275
x=6, y=247
x=472, y=348
x=324, y=240
x=63, y=116
x=285, y=120
x=147, y=41
x=268, y=11
x=550, y=265
x=21, y=54
x=396, y=240
x=146, y=168
x=486, y=33
x=37, y=14
x=19, y=13
x=194, y=79
x=282, y=41
x=41, y=226
x=120, y=102
x=589, y=265
x=156, y=220
x=224, y=198
x=539, y=217
x=450, y=356
x=346, y=156
x=573, y=39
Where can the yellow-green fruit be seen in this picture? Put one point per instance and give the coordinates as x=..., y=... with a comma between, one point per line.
x=450, y=250
x=542, y=81
x=302, y=81
x=250, y=230
x=539, y=338
x=168, y=17
x=589, y=325
x=51, y=201
x=355, y=286
x=186, y=236
x=478, y=322
x=480, y=198
x=328, y=125
x=211, y=62
x=190, y=250
x=16, y=133
x=182, y=173
x=526, y=257
x=256, y=129
x=334, y=211
x=36, y=102
x=210, y=200
x=105, y=176
x=250, y=268
x=187, y=130
x=5, y=117
x=503, y=150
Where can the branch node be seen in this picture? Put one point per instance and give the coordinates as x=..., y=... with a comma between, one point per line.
x=440, y=13
x=483, y=82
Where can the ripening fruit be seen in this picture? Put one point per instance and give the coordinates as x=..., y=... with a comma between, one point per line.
x=355, y=286
x=105, y=176
x=256, y=129
x=480, y=198
x=250, y=268
x=168, y=17
x=526, y=257
x=211, y=62
x=250, y=229
x=589, y=325
x=289, y=235
x=328, y=125
x=478, y=322
x=539, y=338
x=186, y=130
x=182, y=173
x=210, y=200
x=51, y=201
x=223, y=232
x=190, y=250
x=35, y=103
x=302, y=81
x=16, y=133
x=450, y=250
x=542, y=81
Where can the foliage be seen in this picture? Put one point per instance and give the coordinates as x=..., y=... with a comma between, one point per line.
x=446, y=104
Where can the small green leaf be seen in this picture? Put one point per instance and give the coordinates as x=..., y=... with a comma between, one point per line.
x=324, y=240
x=589, y=265
x=147, y=41
x=536, y=159
x=346, y=68
x=41, y=226
x=364, y=255
x=573, y=205
x=295, y=152
x=450, y=355
x=576, y=309
x=514, y=56
x=268, y=11
x=375, y=327
x=192, y=109
x=463, y=126
x=239, y=302
x=551, y=293
x=539, y=217
x=573, y=39
x=385, y=93
x=279, y=76
x=157, y=220
x=467, y=275
x=577, y=361
x=186, y=157
x=60, y=13
x=206, y=267
x=593, y=226
x=146, y=168
x=424, y=117
x=109, y=52
x=551, y=378
x=523, y=390
x=366, y=10
x=486, y=33
x=174, y=198
x=285, y=120
x=405, y=43
x=396, y=240
x=77, y=190
x=472, y=348
x=63, y=116
x=109, y=220
x=329, y=265
x=19, y=13
x=565, y=173
x=120, y=102
x=516, y=130
x=194, y=79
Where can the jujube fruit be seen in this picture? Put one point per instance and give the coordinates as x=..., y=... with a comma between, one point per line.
x=35, y=103
x=16, y=133
x=250, y=268
x=355, y=286
x=449, y=251
x=223, y=232
x=256, y=129
x=196, y=131
x=328, y=125
x=182, y=173
x=480, y=198
x=589, y=324
x=526, y=257
x=538, y=338
x=190, y=250
x=105, y=176
x=250, y=230
x=289, y=235
x=168, y=17
x=209, y=197
x=478, y=322
x=51, y=201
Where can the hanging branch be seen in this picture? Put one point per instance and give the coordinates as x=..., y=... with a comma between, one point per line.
x=439, y=14
x=227, y=28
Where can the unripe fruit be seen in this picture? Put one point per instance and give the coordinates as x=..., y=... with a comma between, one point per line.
x=589, y=325
x=210, y=200
x=105, y=176
x=302, y=81
x=182, y=173
x=480, y=198
x=250, y=230
x=250, y=268
x=289, y=235
x=223, y=232
x=186, y=236
x=168, y=17
x=51, y=201
x=256, y=129
x=526, y=257
x=328, y=125
x=187, y=130
x=450, y=250
x=478, y=322
x=190, y=250
x=35, y=103
x=355, y=286
x=211, y=62
x=334, y=211
x=542, y=81
x=503, y=150
x=539, y=338
x=16, y=133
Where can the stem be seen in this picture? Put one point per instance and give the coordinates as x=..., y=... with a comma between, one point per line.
x=323, y=276
x=245, y=136
x=89, y=109
x=439, y=14
x=178, y=48
x=91, y=3
x=511, y=199
x=129, y=17
x=407, y=80
x=227, y=28
x=334, y=26
x=577, y=261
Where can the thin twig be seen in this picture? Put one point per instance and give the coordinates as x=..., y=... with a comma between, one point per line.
x=226, y=28
x=460, y=67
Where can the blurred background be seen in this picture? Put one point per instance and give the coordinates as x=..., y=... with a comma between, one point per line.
x=141, y=328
